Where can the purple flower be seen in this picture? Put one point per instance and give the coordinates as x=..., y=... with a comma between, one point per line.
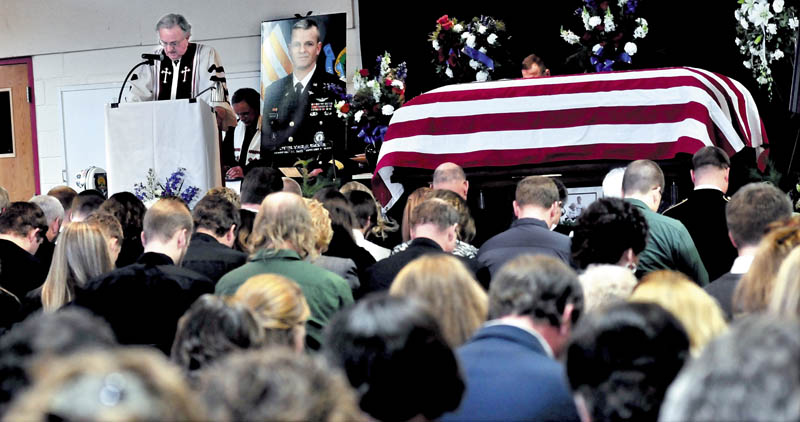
x=189, y=193
x=402, y=71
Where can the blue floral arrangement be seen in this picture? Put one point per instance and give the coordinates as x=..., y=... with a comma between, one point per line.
x=152, y=190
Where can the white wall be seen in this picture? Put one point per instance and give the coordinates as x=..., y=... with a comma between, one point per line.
x=79, y=44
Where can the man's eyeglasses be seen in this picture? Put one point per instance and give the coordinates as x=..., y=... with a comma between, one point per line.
x=172, y=44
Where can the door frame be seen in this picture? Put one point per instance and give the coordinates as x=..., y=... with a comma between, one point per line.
x=34, y=137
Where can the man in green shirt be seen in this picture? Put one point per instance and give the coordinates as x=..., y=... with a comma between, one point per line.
x=669, y=244
x=282, y=237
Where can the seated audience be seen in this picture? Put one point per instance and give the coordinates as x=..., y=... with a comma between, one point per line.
x=81, y=255
x=537, y=208
x=609, y=231
x=698, y=312
x=129, y=211
x=279, y=307
x=606, y=284
x=143, y=301
x=86, y=203
x=748, y=374
x=211, y=250
x=134, y=384
x=22, y=230
x=510, y=364
x=44, y=336
x=414, y=199
x=395, y=357
x=786, y=293
x=343, y=243
x=449, y=288
x=367, y=218
x=451, y=176
x=54, y=214
x=278, y=385
x=621, y=360
x=703, y=212
x=748, y=214
x=754, y=291
x=669, y=244
x=433, y=230
x=210, y=330
x=323, y=233
x=112, y=231
x=282, y=236
x=466, y=225
x=65, y=195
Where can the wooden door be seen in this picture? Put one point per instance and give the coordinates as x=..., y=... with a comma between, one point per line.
x=17, y=151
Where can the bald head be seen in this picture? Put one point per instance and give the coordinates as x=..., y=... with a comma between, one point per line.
x=451, y=176
x=284, y=222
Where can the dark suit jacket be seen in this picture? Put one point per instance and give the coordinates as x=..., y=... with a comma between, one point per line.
x=722, y=289
x=45, y=254
x=703, y=214
x=525, y=236
x=211, y=258
x=20, y=272
x=291, y=121
x=143, y=301
x=511, y=378
x=380, y=276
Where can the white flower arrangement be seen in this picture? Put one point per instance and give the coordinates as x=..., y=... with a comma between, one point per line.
x=608, y=22
x=491, y=39
x=458, y=27
x=594, y=21
x=469, y=50
x=569, y=36
x=766, y=33
x=482, y=76
x=631, y=48
x=387, y=110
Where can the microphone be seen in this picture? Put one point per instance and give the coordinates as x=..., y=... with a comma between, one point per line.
x=158, y=57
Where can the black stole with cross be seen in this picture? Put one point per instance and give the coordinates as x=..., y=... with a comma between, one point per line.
x=185, y=75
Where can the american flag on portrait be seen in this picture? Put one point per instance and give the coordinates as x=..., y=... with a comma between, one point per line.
x=275, y=59
x=652, y=114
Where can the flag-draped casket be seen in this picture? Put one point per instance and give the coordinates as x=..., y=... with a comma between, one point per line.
x=651, y=114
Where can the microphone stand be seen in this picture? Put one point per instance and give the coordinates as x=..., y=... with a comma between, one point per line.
x=122, y=88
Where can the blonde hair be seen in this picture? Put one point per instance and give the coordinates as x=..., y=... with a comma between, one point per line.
x=606, y=284
x=698, y=312
x=284, y=222
x=277, y=303
x=444, y=283
x=414, y=199
x=321, y=221
x=786, y=294
x=226, y=193
x=80, y=254
x=151, y=389
x=165, y=218
x=754, y=291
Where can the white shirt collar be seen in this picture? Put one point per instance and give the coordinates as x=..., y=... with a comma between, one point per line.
x=742, y=264
x=511, y=322
x=698, y=187
x=305, y=80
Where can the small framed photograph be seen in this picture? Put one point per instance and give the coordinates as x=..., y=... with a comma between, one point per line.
x=577, y=200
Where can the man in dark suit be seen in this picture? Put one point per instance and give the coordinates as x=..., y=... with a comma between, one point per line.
x=143, y=301
x=510, y=363
x=537, y=208
x=433, y=230
x=751, y=210
x=703, y=212
x=300, y=120
x=22, y=230
x=211, y=250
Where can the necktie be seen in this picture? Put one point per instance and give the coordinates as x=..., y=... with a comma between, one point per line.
x=298, y=90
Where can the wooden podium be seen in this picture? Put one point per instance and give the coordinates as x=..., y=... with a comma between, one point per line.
x=164, y=136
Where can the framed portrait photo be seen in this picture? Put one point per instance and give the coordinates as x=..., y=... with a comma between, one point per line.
x=577, y=200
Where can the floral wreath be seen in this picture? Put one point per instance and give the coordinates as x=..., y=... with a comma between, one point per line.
x=766, y=33
x=468, y=51
x=610, y=33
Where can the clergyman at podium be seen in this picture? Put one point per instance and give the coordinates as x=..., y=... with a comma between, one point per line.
x=185, y=70
x=299, y=120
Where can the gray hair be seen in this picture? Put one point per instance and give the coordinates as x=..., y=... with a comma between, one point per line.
x=605, y=285
x=536, y=286
x=51, y=207
x=752, y=373
x=171, y=19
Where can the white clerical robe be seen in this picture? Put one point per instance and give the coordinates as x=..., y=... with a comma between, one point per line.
x=198, y=69
x=253, y=153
